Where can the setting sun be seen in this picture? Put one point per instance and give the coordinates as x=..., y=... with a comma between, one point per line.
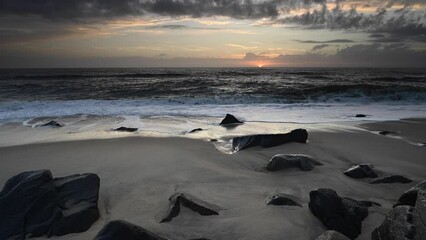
x=260, y=65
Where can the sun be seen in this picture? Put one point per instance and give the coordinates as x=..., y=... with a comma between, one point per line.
x=260, y=65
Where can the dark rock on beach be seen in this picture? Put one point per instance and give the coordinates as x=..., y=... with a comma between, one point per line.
x=34, y=204
x=409, y=197
x=269, y=140
x=125, y=129
x=280, y=200
x=384, y=133
x=195, y=130
x=179, y=199
x=360, y=116
x=407, y=220
x=392, y=179
x=331, y=235
x=230, y=119
x=344, y=215
x=54, y=124
x=284, y=161
x=122, y=230
x=78, y=199
x=361, y=171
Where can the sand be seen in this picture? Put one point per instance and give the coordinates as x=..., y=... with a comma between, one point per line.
x=139, y=174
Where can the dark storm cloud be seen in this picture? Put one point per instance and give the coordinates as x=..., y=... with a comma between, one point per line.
x=328, y=41
x=89, y=9
x=402, y=23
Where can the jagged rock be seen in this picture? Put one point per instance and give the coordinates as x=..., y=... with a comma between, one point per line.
x=125, y=129
x=78, y=199
x=331, y=235
x=54, y=124
x=284, y=161
x=178, y=199
x=392, y=179
x=230, y=119
x=196, y=130
x=269, y=140
x=122, y=230
x=409, y=197
x=33, y=203
x=407, y=220
x=360, y=116
x=281, y=199
x=344, y=215
x=397, y=225
x=360, y=171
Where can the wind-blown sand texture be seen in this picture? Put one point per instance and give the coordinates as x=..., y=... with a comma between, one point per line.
x=139, y=174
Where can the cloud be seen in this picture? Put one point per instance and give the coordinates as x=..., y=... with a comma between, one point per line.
x=328, y=41
x=319, y=47
x=403, y=23
x=90, y=9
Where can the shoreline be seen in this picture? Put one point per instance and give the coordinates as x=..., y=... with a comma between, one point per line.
x=139, y=174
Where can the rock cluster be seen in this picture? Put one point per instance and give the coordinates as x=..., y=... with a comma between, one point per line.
x=35, y=204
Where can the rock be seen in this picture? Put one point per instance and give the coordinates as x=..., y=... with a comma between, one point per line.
x=281, y=199
x=344, y=215
x=230, y=119
x=78, y=198
x=404, y=222
x=28, y=205
x=213, y=140
x=35, y=204
x=409, y=197
x=392, y=179
x=360, y=116
x=284, y=161
x=195, y=130
x=122, y=230
x=396, y=226
x=54, y=124
x=178, y=199
x=269, y=140
x=360, y=171
x=331, y=235
x=125, y=129
x=384, y=133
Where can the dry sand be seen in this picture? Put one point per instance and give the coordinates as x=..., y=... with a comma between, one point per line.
x=139, y=174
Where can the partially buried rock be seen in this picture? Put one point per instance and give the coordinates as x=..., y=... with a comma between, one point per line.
x=196, y=130
x=122, y=230
x=34, y=204
x=384, y=133
x=269, y=140
x=409, y=197
x=179, y=199
x=344, y=215
x=284, y=161
x=230, y=119
x=125, y=129
x=361, y=171
x=360, y=116
x=392, y=179
x=331, y=235
x=53, y=124
x=280, y=200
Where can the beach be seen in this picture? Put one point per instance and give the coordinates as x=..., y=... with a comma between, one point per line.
x=138, y=174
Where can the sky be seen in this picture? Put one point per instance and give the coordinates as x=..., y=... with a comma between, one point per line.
x=212, y=33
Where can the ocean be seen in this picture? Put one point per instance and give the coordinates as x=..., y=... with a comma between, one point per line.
x=175, y=100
